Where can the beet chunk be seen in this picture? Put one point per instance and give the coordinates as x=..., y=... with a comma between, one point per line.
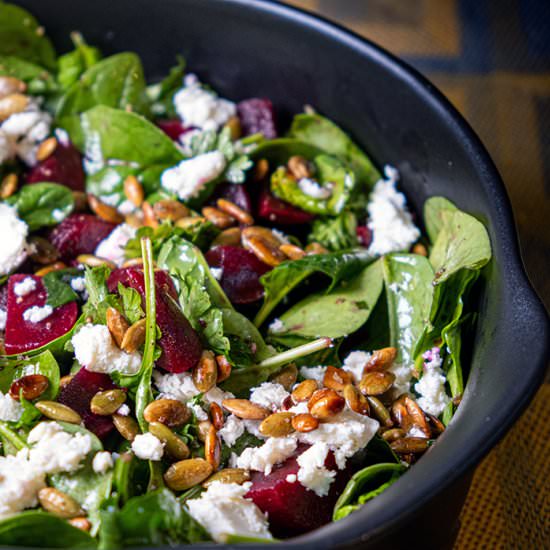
x=180, y=344
x=79, y=234
x=364, y=234
x=241, y=273
x=257, y=117
x=78, y=394
x=21, y=335
x=172, y=127
x=275, y=210
x=63, y=166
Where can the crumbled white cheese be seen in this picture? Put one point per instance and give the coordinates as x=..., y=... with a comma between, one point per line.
x=62, y=136
x=24, y=287
x=112, y=248
x=186, y=141
x=95, y=349
x=389, y=219
x=3, y=319
x=58, y=214
x=202, y=108
x=291, y=478
x=148, y=447
x=431, y=386
x=78, y=284
x=223, y=510
x=415, y=431
x=123, y=410
x=312, y=473
x=262, y=459
x=313, y=189
x=10, y=409
x=188, y=178
x=102, y=462
x=13, y=244
x=355, y=363
x=276, y=326
x=403, y=377
x=232, y=429
x=281, y=236
x=36, y=314
x=217, y=273
x=313, y=373
x=269, y=395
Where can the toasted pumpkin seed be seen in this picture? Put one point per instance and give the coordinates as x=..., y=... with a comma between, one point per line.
x=64, y=380
x=299, y=167
x=406, y=445
x=11, y=85
x=216, y=414
x=234, y=125
x=224, y=368
x=168, y=209
x=58, y=503
x=187, y=473
x=43, y=252
x=134, y=190
x=8, y=186
x=106, y=403
x=278, y=424
x=46, y=149
x=205, y=374
x=437, y=426
x=126, y=426
x=58, y=411
x=305, y=422
x=12, y=104
x=173, y=445
x=81, y=523
x=407, y=413
x=355, y=400
x=380, y=412
x=94, y=261
x=420, y=249
x=325, y=403
x=170, y=412
x=117, y=325
x=286, y=377
x=304, y=390
x=134, y=337
x=376, y=383
x=228, y=475
x=189, y=221
x=243, y=408
x=381, y=359
x=104, y=211
x=149, y=218
x=217, y=217
x=229, y=237
x=203, y=427
x=315, y=248
x=235, y=211
x=393, y=434
x=292, y=251
x=336, y=379
x=213, y=448
x=261, y=170
x=30, y=386
x=56, y=266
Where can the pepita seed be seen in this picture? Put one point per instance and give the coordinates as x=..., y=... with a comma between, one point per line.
x=420, y=249
x=8, y=186
x=393, y=434
x=43, y=252
x=126, y=426
x=228, y=475
x=216, y=414
x=228, y=237
x=104, y=211
x=217, y=217
x=134, y=190
x=203, y=427
x=278, y=424
x=46, y=149
x=149, y=218
x=190, y=221
x=376, y=383
x=325, y=403
x=170, y=412
x=172, y=210
x=80, y=201
x=106, y=403
x=213, y=448
x=234, y=125
x=117, y=325
x=304, y=390
x=266, y=254
x=187, y=473
x=173, y=445
x=235, y=211
x=12, y=104
x=292, y=251
x=261, y=170
x=407, y=413
x=56, y=266
x=380, y=412
x=94, y=261
x=205, y=374
x=58, y=411
x=415, y=445
x=30, y=386
x=135, y=220
x=243, y=408
x=11, y=85
x=437, y=426
x=286, y=377
x=336, y=379
x=355, y=400
x=81, y=523
x=305, y=422
x=263, y=233
x=59, y=504
x=134, y=337
x=133, y=262
x=299, y=167
x=381, y=359
x=224, y=368
x=315, y=248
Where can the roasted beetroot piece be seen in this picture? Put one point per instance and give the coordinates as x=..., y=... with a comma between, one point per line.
x=78, y=394
x=172, y=127
x=180, y=344
x=277, y=211
x=241, y=273
x=63, y=166
x=22, y=334
x=234, y=192
x=291, y=508
x=79, y=234
x=364, y=234
x=257, y=117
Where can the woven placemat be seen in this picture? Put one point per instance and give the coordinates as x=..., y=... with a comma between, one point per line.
x=508, y=505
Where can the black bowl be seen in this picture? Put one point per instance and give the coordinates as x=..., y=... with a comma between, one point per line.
x=256, y=48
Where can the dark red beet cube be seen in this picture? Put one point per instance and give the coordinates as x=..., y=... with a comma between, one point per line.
x=63, y=166
x=180, y=344
x=241, y=273
x=234, y=192
x=364, y=234
x=172, y=127
x=277, y=211
x=79, y=234
x=22, y=335
x=257, y=117
x=78, y=394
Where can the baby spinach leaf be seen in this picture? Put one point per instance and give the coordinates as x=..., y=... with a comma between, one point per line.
x=243, y=539
x=337, y=233
x=278, y=151
x=433, y=217
x=58, y=287
x=22, y=36
x=72, y=64
x=161, y=95
x=99, y=299
x=131, y=303
x=38, y=80
x=338, y=313
x=288, y=275
x=42, y=204
x=319, y=131
x=42, y=530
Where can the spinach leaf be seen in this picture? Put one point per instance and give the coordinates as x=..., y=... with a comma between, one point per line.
x=243, y=539
x=337, y=233
x=42, y=530
x=58, y=287
x=319, y=131
x=38, y=80
x=131, y=303
x=161, y=95
x=288, y=275
x=42, y=204
x=433, y=217
x=278, y=151
x=243, y=442
x=72, y=64
x=22, y=36
x=11, y=440
x=99, y=299
x=338, y=313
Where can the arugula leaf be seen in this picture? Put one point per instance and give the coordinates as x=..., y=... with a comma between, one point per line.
x=337, y=313
x=131, y=303
x=161, y=95
x=42, y=204
x=58, y=287
x=38, y=80
x=288, y=275
x=337, y=233
x=72, y=64
x=21, y=35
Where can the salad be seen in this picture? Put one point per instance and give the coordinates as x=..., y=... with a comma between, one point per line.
x=212, y=327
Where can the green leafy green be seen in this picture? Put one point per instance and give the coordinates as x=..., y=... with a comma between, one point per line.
x=433, y=215
x=38, y=80
x=11, y=440
x=99, y=299
x=72, y=64
x=278, y=151
x=58, y=287
x=335, y=234
x=161, y=95
x=131, y=303
x=42, y=204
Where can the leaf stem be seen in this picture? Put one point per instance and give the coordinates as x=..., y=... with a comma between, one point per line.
x=296, y=353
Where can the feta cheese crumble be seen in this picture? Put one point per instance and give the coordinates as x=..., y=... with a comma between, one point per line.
x=355, y=364
x=314, y=190
x=36, y=314
x=312, y=473
x=276, y=326
x=24, y=287
x=188, y=178
x=269, y=395
x=217, y=273
x=78, y=284
x=223, y=510
x=232, y=429
x=95, y=349
x=313, y=373
x=389, y=219
x=431, y=386
x=112, y=248
x=148, y=447
x=10, y=409
x=13, y=244
x=262, y=459
x=102, y=462
x=123, y=410
x=3, y=319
